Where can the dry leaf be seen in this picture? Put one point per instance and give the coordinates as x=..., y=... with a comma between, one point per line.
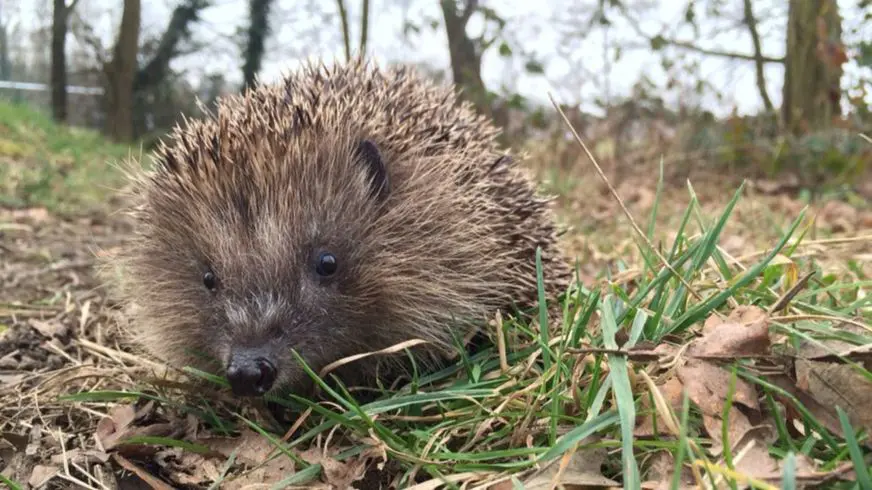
x=274, y=471
x=831, y=383
x=251, y=448
x=338, y=474
x=752, y=458
x=824, y=414
x=660, y=471
x=114, y=425
x=119, y=426
x=583, y=470
x=50, y=329
x=745, y=333
x=672, y=390
x=41, y=475
x=839, y=385
x=36, y=215
x=708, y=385
x=188, y=468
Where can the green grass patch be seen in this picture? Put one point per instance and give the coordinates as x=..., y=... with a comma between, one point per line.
x=65, y=169
x=573, y=388
x=475, y=417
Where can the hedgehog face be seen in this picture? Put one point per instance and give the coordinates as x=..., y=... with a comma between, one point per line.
x=255, y=274
x=265, y=306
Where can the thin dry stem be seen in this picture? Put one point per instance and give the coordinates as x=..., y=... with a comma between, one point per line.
x=621, y=202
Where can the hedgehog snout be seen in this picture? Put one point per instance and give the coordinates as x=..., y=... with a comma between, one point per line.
x=251, y=371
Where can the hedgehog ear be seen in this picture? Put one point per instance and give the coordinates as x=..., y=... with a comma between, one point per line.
x=370, y=157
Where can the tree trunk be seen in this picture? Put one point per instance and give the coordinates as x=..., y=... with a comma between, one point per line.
x=178, y=28
x=465, y=58
x=59, y=61
x=121, y=74
x=812, y=65
x=751, y=23
x=346, y=33
x=258, y=29
x=364, y=27
x=5, y=64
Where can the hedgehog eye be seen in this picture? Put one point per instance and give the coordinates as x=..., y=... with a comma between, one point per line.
x=210, y=281
x=326, y=264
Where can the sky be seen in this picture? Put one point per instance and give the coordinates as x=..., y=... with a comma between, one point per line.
x=575, y=70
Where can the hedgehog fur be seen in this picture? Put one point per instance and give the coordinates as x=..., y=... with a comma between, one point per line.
x=376, y=176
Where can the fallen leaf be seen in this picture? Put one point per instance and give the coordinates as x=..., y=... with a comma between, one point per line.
x=579, y=470
x=50, y=329
x=832, y=383
x=745, y=333
x=708, y=385
x=274, y=471
x=36, y=215
x=672, y=390
x=825, y=415
x=250, y=446
x=115, y=423
x=661, y=467
x=42, y=474
x=838, y=215
x=118, y=426
x=838, y=385
x=752, y=458
x=251, y=450
x=18, y=441
x=187, y=468
x=335, y=473
x=10, y=379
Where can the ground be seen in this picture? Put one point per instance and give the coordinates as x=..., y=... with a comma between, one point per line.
x=771, y=357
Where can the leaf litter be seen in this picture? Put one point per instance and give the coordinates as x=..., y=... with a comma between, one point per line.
x=703, y=376
x=58, y=336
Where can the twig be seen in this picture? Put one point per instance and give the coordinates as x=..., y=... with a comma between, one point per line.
x=789, y=295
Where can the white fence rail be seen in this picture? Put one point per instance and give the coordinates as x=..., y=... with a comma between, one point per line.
x=43, y=87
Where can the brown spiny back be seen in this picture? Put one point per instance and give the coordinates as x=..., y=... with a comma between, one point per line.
x=251, y=190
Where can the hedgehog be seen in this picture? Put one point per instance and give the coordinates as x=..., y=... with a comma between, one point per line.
x=342, y=210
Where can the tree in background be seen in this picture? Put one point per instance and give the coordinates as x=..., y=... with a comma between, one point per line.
x=813, y=65
x=120, y=94
x=168, y=48
x=465, y=51
x=5, y=64
x=59, y=26
x=258, y=30
x=346, y=31
x=121, y=74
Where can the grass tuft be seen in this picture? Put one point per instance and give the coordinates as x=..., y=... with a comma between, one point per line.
x=65, y=169
x=563, y=403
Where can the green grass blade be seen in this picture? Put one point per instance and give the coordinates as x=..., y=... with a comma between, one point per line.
x=623, y=395
x=576, y=435
x=860, y=467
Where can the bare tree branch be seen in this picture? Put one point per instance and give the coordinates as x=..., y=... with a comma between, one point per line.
x=346, y=34
x=634, y=24
x=751, y=22
x=178, y=28
x=85, y=34
x=468, y=10
x=255, y=41
x=364, y=26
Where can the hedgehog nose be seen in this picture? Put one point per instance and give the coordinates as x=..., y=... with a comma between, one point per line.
x=250, y=374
